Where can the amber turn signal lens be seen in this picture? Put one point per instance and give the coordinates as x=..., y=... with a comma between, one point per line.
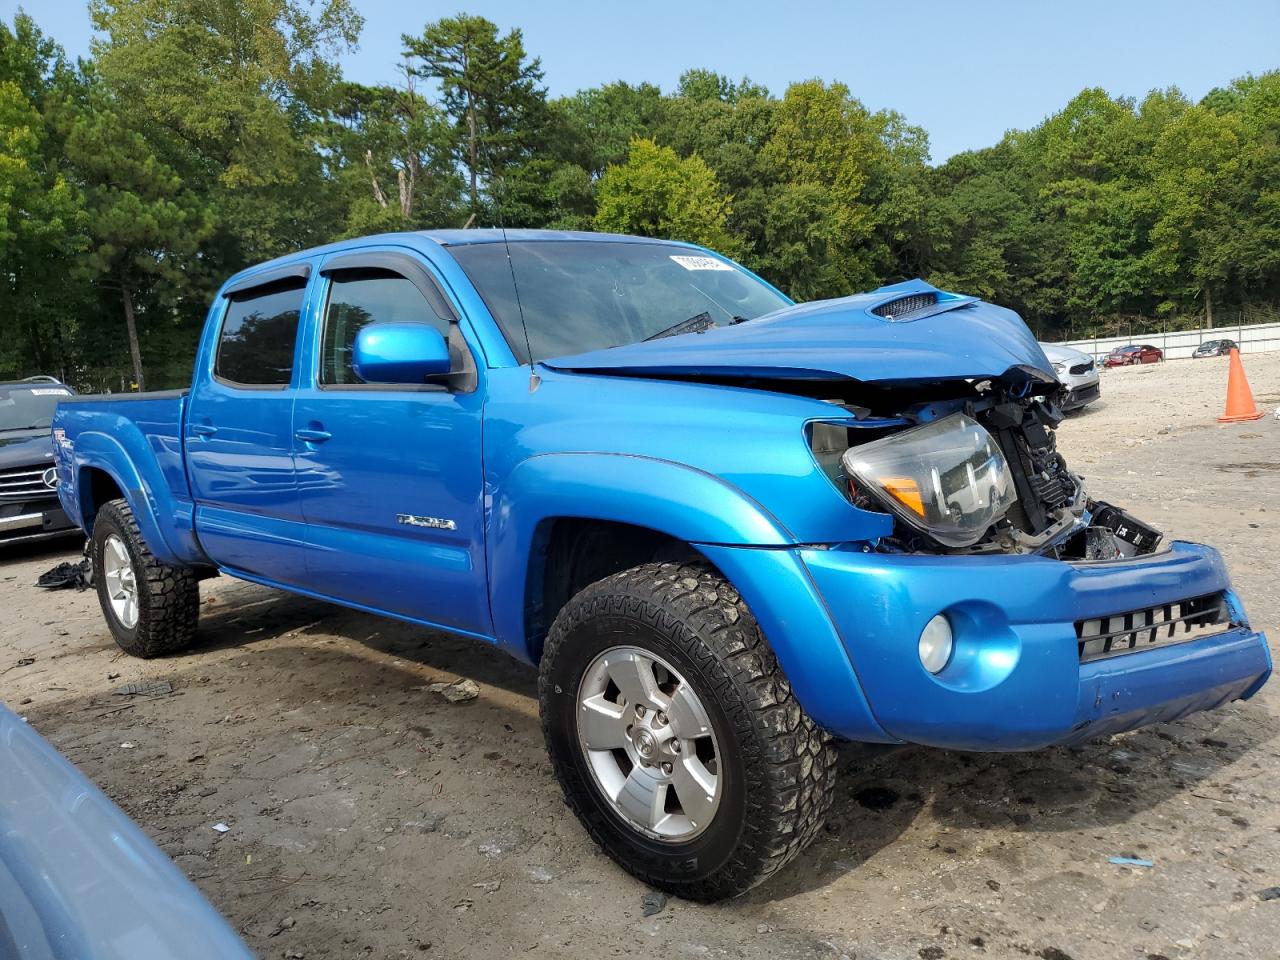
x=906, y=491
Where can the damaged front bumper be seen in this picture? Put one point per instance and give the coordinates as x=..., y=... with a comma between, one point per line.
x=1020, y=677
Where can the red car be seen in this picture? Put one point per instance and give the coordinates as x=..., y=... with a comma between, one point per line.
x=1126, y=356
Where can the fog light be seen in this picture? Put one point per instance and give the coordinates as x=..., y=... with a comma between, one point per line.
x=936, y=644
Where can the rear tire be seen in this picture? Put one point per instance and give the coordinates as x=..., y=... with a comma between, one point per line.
x=713, y=684
x=150, y=608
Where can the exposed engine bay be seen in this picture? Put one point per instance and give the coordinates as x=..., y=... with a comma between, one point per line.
x=977, y=472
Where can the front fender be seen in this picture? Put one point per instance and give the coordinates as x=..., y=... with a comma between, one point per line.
x=165, y=521
x=679, y=501
x=777, y=587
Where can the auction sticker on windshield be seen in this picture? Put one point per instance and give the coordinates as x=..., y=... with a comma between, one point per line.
x=701, y=263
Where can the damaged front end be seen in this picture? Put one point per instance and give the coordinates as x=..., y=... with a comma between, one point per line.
x=973, y=472
x=950, y=409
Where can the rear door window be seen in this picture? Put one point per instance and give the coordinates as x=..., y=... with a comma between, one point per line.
x=259, y=333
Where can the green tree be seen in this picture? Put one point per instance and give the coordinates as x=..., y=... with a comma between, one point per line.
x=600, y=123
x=826, y=153
x=658, y=194
x=145, y=226
x=234, y=95
x=42, y=221
x=393, y=157
x=489, y=88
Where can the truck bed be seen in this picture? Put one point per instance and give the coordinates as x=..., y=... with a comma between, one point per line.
x=134, y=441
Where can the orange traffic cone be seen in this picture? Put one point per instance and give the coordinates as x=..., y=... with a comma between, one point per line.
x=1240, y=402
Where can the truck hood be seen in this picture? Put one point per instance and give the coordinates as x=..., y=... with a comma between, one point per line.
x=26, y=448
x=910, y=333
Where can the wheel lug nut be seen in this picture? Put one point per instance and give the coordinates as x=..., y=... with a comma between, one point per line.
x=639, y=709
x=660, y=719
x=667, y=768
x=675, y=746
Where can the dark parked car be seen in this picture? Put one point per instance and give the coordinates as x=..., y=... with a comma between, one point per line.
x=29, y=507
x=1215, y=348
x=1134, y=353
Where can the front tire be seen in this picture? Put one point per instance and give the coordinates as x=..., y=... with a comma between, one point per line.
x=150, y=608
x=675, y=735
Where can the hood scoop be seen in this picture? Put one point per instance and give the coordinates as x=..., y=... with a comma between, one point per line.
x=906, y=333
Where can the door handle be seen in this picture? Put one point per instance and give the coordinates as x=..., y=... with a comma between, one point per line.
x=313, y=436
x=203, y=429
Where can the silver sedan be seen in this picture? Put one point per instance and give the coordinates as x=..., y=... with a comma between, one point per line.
x=1078, y=372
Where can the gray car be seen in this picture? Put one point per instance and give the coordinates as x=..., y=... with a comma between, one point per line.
x=79, y=879
x=1078, y=372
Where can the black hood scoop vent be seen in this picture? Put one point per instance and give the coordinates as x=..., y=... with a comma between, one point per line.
x=905, y=308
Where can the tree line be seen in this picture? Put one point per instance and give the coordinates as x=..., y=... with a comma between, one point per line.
x=202, y=136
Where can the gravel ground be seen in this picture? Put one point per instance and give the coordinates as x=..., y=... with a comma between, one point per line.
x=371, y=817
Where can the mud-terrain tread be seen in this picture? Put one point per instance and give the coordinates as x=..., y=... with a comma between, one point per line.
x=789, y=760
x=170, y=610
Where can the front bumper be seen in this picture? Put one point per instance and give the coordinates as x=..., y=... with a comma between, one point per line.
x=1016, y=681
x=1080, y=394
x=34, y=522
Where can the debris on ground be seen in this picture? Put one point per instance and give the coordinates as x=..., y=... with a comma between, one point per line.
x=541, y=874
x=653, y=902
x=1130, y=862
x=504, y=842
x=64, y=575
x=287, y=923
x=489, y=886
x=459, y=691
x=25, y=662
x=221, y=828
x=876, y=798
x=1270, y=893
x=146, y=688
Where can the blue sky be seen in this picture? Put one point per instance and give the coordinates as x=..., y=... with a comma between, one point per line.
x=966, y=70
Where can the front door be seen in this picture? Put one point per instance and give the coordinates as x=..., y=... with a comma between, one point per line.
x=239, y=436
x=390, y=478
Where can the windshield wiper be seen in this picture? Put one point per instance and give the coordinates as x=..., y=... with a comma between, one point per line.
x=695, y=324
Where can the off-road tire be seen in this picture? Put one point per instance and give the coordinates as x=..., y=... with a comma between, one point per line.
x=168, y=597
x=779, y=767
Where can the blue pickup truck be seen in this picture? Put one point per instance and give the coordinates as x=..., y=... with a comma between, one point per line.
x=729, y=529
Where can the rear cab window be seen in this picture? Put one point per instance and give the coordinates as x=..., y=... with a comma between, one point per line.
x=259, y=334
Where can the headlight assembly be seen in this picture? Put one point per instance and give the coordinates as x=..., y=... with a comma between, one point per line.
x=946, y=478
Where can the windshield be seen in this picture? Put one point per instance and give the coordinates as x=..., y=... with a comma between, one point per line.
x=23, y=408
x=581, y=295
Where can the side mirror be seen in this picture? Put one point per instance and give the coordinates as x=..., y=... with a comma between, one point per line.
x=399, y=353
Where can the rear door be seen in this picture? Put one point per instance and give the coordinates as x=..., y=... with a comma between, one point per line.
x=390, y=477
x=239, y=431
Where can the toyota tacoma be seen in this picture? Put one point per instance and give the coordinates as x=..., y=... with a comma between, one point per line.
x=729, y=529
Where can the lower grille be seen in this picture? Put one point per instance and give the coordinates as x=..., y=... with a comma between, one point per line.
x=1143, y=629
x=24, y=483
x=1086, y=394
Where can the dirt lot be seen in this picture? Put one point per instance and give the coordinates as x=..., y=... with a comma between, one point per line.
x=372, y=818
